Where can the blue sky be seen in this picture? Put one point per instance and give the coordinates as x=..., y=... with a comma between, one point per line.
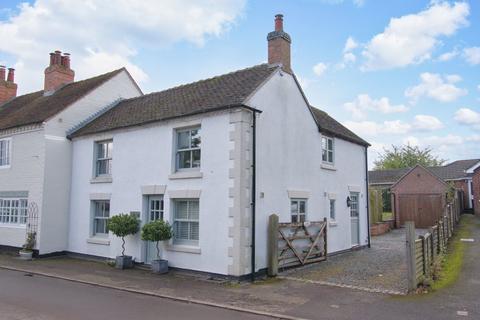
x=408, y=74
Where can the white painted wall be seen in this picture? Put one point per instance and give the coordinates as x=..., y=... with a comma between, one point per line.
x=289, y=158
x=25, y=174
x=143, y=156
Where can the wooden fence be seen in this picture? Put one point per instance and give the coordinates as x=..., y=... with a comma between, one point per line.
x=295, y=244
x=422, y=250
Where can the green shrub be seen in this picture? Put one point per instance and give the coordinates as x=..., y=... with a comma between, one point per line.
x=157, y=231
x=123, y=225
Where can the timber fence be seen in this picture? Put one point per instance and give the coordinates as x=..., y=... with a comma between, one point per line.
x=423, y=250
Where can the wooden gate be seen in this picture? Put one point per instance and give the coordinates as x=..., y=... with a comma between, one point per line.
x=296, y=244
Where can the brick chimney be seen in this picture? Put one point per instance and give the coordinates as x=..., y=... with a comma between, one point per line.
x=279, y=45
x=8, y=87
x=58, y=73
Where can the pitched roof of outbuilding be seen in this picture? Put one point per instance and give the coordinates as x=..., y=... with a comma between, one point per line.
x=451, y=171
x=217, y=93
x=329, y=125
x=36, y=107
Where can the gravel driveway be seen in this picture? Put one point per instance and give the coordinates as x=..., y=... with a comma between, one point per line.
x=381, y=267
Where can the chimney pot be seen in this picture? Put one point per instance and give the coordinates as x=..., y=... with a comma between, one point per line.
x=279, y=22
x=11, y=75
x=2, y=73
x=52, y=58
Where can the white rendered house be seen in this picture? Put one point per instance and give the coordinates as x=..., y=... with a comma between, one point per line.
x=35, y=155
x=186, y=155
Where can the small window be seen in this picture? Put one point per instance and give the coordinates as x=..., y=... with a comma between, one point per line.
x=103, y=158
x=332, y=209
x=327, y=150
x=13, y=211
x=186, y=221
x=100, y=217
x=298, y=209
x=5, y=153
x=156, y=208
x=188, y=151
x=354, y=208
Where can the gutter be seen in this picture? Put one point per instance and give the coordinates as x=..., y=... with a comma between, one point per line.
x=367, y=195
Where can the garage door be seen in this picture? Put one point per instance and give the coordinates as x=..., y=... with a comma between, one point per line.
x=424, y=209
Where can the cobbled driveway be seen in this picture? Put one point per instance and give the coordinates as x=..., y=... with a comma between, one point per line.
x=381, y=268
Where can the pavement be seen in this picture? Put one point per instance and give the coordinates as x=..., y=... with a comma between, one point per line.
x=284, y=299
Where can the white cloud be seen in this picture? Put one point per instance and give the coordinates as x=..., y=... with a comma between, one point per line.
x=412, y=38
x=447, y=56
x=423, y=122
x=364, y=103
x=359, y=3
x=473, y=138
x=436, y=87
x=472, y=55
x=350, y=44
x=320, y=68
x=102, y=33
x=372, y=129
x=468, y=117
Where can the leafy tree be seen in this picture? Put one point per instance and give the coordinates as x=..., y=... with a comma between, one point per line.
x=123, y=225
x=407, y=156
x=157, y=231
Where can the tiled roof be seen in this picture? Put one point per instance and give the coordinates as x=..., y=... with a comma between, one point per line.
x=221, y=92
x=331, y=126
x=451, y=171
x=36, y=107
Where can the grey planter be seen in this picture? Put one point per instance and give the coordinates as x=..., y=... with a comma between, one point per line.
x=123, y=262
x=25, y=255
x=159, y=266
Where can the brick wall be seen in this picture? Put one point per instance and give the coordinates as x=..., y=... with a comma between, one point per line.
x=476, y=191
x=463, y=185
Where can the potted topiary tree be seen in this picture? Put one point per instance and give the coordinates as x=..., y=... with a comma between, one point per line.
x=27, y=252
x=157, y=231
x=123, y=225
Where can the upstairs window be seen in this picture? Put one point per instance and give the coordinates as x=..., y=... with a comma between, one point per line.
x=298, y=209
x=188, y=149
x=327, y=150
x=4, y=153
x=103, y=158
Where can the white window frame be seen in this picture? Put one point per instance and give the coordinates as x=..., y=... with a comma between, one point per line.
x=332, y=208
x=108, y=158
x=178, y=241
x=7, y=156
x=325, y=148
x=11, y=215
x=298, y=215
x=102, y=217
x=189, y=149
x=355, y=205
x=154, y=213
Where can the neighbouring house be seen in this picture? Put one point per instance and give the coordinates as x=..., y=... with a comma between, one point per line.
x=458, y=173
x=476, y=189
x=419, y=196
x=35, y=155
x=215, y=158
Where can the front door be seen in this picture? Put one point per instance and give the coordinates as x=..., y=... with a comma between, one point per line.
x=354, y=218
x=154, y=212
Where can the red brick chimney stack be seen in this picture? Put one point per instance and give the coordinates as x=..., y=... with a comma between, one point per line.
x=8, y=87
x=58, y=73
x=279, y=45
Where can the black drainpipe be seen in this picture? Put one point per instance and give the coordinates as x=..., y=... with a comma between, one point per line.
x=254, y=192
x=368, y=195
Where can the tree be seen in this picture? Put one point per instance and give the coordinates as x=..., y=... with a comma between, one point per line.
x=407, y=156
x=123, y=225
x=157, y=231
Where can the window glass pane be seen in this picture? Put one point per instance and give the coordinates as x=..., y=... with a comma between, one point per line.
x=109, y=149
x=181, y=210
x=101, y=151
x=194, y=231
x=294, y=207
x=100, y=226
x=196, y=158
x=330, y=144
x=184, y=160
x=183, y=140
x=182, y=230
x=294, y=218
x=302, y=207
x=324, y=155
x=301, y=218
x=196, y=140
x=332, y=209
x=324, y=143
x=193, y=210
x=330, y=156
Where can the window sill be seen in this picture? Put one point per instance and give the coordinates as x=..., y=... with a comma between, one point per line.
x=184, y=248
x=328, y=167
x=105, y=179
x=13, y=226
x=4, y=167
x=100, y=241
x=186, y=175
x=333, y=223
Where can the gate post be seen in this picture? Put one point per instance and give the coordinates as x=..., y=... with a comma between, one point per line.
x=411, y=261
x=272, y=245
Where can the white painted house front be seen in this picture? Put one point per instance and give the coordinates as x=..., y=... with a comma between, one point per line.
x=185, y=155
x=35, y=155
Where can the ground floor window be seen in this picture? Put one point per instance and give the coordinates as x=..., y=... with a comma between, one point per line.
x=155, y=211
x=101, y=213
x=13, y=211
x=332, y=209
x=298, y=209
x=186, y=221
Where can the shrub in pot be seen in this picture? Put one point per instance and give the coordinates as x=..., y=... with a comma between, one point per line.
x=157, y=231
x=27, y=252
x=123, y=225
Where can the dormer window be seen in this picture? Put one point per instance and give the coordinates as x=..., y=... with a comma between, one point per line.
x=327, y=150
